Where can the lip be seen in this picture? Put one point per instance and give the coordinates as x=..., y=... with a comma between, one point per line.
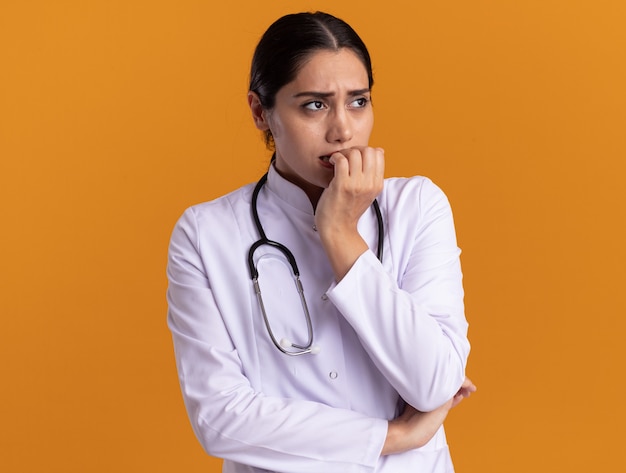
x=325, y=163
x=328, y=155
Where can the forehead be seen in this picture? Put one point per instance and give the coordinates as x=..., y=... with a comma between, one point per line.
x=328, y=70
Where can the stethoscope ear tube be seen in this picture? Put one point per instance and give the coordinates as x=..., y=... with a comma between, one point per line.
x=282, y=248
x=381, y=230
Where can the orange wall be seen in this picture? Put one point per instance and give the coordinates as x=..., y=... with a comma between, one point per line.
x=116, y=115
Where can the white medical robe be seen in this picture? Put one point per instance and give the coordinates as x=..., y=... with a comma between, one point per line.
x=387, y=333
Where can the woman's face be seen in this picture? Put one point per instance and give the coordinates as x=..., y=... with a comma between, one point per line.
x=325, y=109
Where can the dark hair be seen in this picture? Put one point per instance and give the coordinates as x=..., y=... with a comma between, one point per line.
x=288, y=42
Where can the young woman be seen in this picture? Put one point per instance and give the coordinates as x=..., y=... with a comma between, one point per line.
x=353, y=367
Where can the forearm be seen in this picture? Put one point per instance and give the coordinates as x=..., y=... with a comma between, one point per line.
x=413, y=429
x=397, y=332
x=234, y=422
x=343, y=248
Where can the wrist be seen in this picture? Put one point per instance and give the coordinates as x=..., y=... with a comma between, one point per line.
x=343, y=250
x=395, y=435
x=335, y=236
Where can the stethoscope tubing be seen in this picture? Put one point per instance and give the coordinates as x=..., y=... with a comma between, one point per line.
x=254, y=274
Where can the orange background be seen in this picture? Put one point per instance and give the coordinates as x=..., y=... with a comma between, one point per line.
x=116, y=115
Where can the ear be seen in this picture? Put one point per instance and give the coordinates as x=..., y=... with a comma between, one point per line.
x=259, y=115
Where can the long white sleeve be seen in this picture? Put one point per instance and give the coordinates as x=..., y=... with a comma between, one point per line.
x=413, y=327
x=229, y=417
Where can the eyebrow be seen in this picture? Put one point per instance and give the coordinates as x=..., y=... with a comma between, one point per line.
x=323, y=95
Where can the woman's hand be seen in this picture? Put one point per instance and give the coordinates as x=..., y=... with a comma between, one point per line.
x=359, y=175
x=466, y=390
x=414, y=429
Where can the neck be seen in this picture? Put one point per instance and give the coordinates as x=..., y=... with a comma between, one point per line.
x=313, y=192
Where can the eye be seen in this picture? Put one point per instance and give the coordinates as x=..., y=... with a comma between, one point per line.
x=359, y=103
x=315, y=105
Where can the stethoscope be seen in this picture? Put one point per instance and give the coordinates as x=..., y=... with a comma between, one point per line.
x=285, y=345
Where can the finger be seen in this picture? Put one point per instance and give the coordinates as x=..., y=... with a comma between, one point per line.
x=370, y=158
x=378, y=166
x=456, y=400
x=468, y=385
x=341, y=163
x=356, y=160
x=349, y=160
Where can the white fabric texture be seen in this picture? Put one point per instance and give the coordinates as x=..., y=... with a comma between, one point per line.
x=387, y=333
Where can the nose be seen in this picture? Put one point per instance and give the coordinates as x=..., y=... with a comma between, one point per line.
x=339, y=127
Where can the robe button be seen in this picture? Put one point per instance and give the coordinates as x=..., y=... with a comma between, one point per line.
x=333, y=375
